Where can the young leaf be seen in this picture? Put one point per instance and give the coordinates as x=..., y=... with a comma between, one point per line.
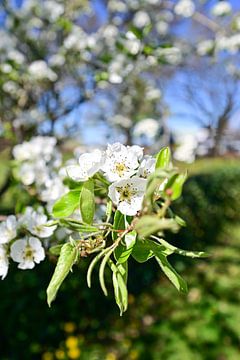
x=102, y=269
x=170, y=272
x=188, y=253
x=163, y=158
x=78, y=226
x=67, y=258
x=118, y=224
x=122, y=252
x=120, y=284
x=67, y=204
x=175, y=183
x=109, y=211
x=178, y=185
x=141, y=251
x=148, y=225
x=87, y=202
x=92, y=265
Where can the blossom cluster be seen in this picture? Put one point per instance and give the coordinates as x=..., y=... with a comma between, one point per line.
x=21, y=239
x=39, y=163
x=125, y=167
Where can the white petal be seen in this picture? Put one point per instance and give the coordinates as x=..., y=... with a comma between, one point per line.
x=39, y=255
x=4, y=263
x=75, y=173
x=26, y=264
x=11, y=222
x=17, y=249
x=113, y=194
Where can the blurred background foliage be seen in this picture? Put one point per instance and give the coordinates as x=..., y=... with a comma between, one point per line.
x=160, y=324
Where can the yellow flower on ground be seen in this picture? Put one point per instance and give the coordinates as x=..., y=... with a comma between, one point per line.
x=60, y=354
x=71, y=342
x=69, y=327
x=111, y=356
x=133, y=355
x=47, y=356
x=74, y=353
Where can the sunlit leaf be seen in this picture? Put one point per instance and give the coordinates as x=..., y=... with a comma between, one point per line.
x=163, y=158
x=67, y=258
x=67, y=204
x=87, y=202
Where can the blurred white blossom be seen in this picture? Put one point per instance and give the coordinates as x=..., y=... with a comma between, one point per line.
x=185, y=8
x=221, y=8
x=8, y=229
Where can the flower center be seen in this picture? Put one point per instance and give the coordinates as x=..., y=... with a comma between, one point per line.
x=126, y=193
x=28, y=253
x=120, y=168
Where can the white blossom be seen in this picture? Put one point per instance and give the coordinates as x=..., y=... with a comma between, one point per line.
x=40, y=70
x=147, y=166
x=4, y=263
x=27, y=252
x=146, y=127
x=8, y=229
x=205, y=46
x=53, y=9
x=35, y=222
x=221, y=8
x=121, y=161
x=172, y=55
x=141, y=19
x=128, y=195
x=185, y=8
x=89, y=164
x=162, y=27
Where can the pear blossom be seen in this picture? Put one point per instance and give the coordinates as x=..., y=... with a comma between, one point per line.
x=128, y=194
x=89, y=164
x=40, y=71
x=8, y=229
x=147, y=166
x=35, y=222
x=185, y=8
x=121, y=161
x=222, y=8
x=27, y=252
x=147, y=127
x=205, y=47
x=4, y=263
x=141, y=19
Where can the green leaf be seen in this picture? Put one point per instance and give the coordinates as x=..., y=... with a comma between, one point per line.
x=176, y=185
x=87, y=202
x=102, y=269
x=119, y=277
x=180, y=221
x=123, y=252
x=92, y=265
x=141, y=251
x=148, y=225
x=67, y=204
x=188, y=253
x=170, y=272
x=163, y=158
x=56, y=249
x=118, y=224
x=109, y=211
x=78, y=226
x=67, y=258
